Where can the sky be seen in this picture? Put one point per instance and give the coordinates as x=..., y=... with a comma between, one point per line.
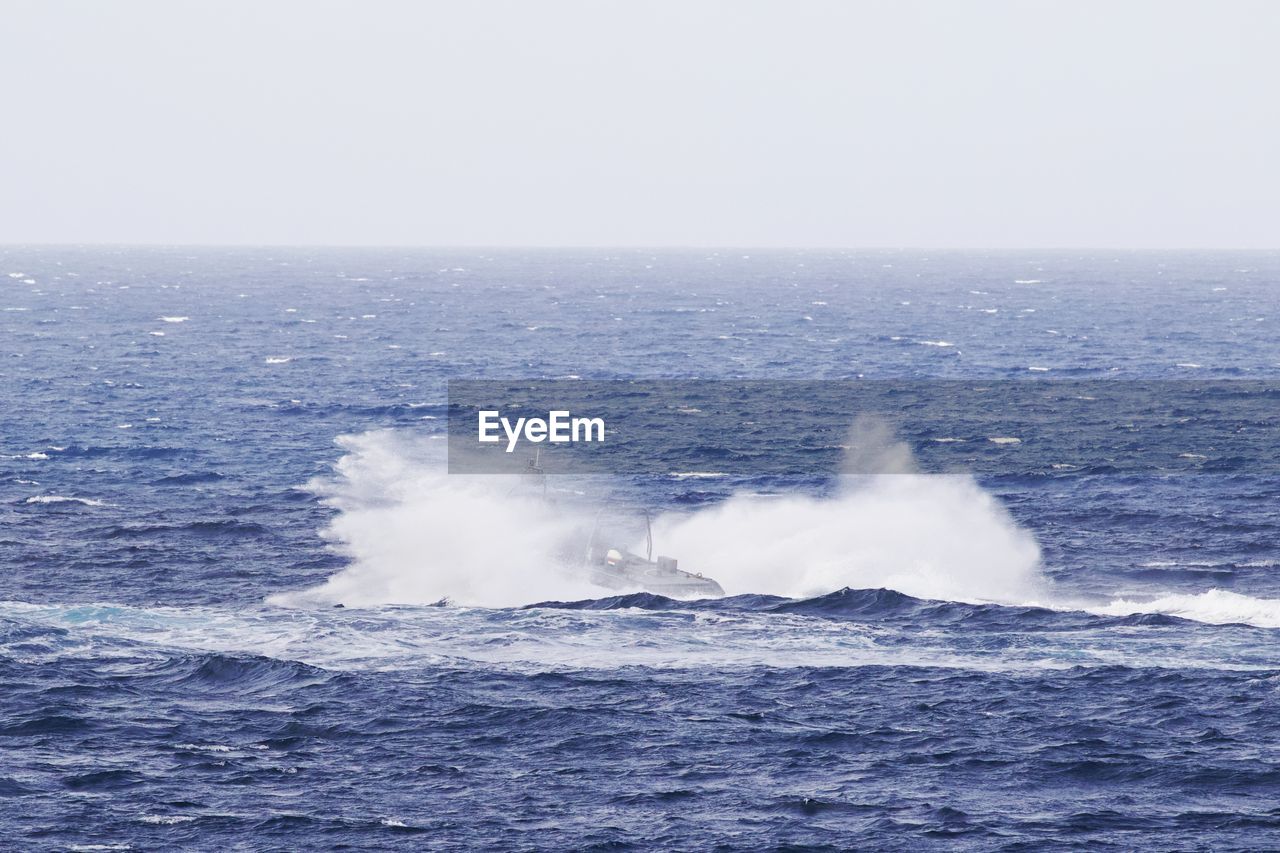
x=788, y=123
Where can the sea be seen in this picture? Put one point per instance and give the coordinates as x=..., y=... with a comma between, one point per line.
x=245, y=605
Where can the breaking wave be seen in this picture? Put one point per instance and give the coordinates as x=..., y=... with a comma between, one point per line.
x=415, y=535
x=1215, y=607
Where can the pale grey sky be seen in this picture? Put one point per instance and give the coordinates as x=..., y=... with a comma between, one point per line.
x=989, y=123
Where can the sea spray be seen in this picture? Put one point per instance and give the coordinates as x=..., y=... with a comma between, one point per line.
x=938, y=537
x=930, y=536
x=416, y=535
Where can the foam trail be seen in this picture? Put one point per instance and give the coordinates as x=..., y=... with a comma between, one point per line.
x=1215, y=607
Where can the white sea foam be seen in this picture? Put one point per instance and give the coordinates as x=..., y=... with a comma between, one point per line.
x=927, y=536
x=416, y=535
x=1216, y=607
x=62, y=499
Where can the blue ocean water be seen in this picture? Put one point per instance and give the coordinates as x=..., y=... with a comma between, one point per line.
x=203, y=451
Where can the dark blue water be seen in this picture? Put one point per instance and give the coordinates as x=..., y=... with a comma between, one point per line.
x=201, y=452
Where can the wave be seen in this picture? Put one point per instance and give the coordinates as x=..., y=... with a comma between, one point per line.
x=1215, y=607
x=933, y=550
x=63, y=499
x=416, y=535
x=938, y=537
x=886, y=606
x=872, y=606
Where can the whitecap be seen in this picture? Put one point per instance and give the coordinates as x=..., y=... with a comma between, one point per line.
x=1215, y=607
x=62, y=499
x=204, y=747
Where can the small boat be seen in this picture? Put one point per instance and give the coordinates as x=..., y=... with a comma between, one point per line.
x=615, y=568
x=605, y=560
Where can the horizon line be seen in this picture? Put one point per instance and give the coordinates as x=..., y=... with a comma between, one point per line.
x=619, y=247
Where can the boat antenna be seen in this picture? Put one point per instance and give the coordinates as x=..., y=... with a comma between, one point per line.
x=648, y=535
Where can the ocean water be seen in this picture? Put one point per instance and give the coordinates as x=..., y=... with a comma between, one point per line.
x=203, y=452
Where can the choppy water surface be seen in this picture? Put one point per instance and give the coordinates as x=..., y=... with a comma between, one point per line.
x=203, y=452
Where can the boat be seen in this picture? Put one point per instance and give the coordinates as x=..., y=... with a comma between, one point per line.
x=606, y=562
x=612, y=567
